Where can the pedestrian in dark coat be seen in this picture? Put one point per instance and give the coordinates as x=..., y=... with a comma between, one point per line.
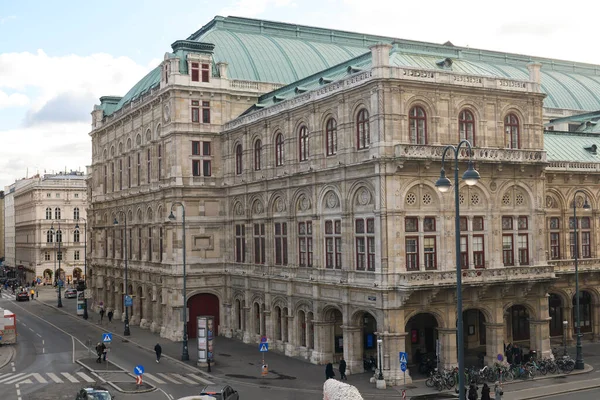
x=472, y=392
x=158, y=351
x=343, y=370
x=329, y=374
x=99, y=352
x=485, y=392
x=110, y=315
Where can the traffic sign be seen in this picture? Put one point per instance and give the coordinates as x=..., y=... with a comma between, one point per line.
x=128, y=301
x=403, y=357
x=500, y=357
x=403, y=394
x=263, y=339
x=107, y=337
x=138, y=380
x=403, y=367
x=139, y=370
x=263, y=347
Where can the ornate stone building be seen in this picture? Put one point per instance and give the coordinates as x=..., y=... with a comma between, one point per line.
x=306, y=160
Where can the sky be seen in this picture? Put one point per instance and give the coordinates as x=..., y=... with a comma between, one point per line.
x=58, y=57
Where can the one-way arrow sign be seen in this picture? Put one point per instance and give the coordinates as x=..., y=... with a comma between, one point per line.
x=263, y=347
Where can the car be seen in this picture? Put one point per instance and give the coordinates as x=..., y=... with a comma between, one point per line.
x=22, y=296
x=220, y=392
x=94, y=393
x=70, y=293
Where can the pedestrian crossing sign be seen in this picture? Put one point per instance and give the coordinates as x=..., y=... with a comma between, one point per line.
x=263, y=347
x=107, y=337
x=403, y=358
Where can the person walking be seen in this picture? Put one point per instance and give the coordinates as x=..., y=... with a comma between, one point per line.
x=498, y=392
x=472, y=392
x=485, y=392
x=99, y=352
x=329, y=374
x=343, y=370
x=158, y=351
x=110, y=315
x=101, y=314
x=32, y=293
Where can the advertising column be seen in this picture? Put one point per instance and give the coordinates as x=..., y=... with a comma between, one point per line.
x=205, y=339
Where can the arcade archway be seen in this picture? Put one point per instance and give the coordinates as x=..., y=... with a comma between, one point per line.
x=202, y=304
x=555, y=311
x=422, y=336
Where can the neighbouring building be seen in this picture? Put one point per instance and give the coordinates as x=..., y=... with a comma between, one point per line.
x=2, y=227
x=49, y=215
x=306, y=160
x=10, y=261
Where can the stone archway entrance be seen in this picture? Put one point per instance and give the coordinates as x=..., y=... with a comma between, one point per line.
x=422, y=336
x=585, y=312
x=518, y=323
x=475, y=336
x=77, y=274
x=332, y=344
x=369, y=327
x=47, y=276
x=202, y=304
x=555, y=311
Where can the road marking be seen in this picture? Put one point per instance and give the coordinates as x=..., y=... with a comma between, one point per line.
x=85, y=377
x=70, y=377
x=152, y=377
x=39, y=377
x=31, y=330
x=183, y=378
x=12, y=364
x=10, y=378
x=201, y=380
x=54, y=377
x=38, y=334
x=25, y=381
x=164, y=376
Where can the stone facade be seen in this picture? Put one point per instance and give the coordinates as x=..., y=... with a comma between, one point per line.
x=318, y=224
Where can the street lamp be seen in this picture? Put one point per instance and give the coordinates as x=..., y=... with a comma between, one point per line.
x=471, y=176
x=586, y=207
x=126, y=332
x=59, y=305
x=85, y=310
x=565, y=323
x=379, y=357
x=185, y=356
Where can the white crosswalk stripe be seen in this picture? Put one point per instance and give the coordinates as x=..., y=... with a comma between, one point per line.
x=70, y=377
x=85, y=377
x=184, y=379
x=200, y=379
x=153, y=378
x=165, y=376
x=39, y=378
x=55, y=378
x=160, y=378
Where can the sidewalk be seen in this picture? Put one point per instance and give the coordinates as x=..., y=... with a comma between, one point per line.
x=7, y=353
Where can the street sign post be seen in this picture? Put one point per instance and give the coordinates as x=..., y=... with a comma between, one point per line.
x=263, y=347
x=403, y=360
x=138, y=380
x=139, y=370
x=107, y=337
x=403, y=357
x=128, y=301
x=403, y=367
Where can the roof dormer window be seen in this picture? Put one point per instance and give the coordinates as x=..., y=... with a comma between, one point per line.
x=200, y=70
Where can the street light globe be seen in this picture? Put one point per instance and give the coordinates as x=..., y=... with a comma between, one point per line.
x=471, y=176
x=443, y=183
x=586, y=206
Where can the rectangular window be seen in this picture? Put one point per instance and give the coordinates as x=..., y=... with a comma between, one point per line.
x=205, y=72
x=139, y=168
x=122, y=247
x=585, y=245
x=195, y=148
x=59, y=256
x=477, y=224
x=522, y=222
x=130, y=253
x=305, y=249
x=281, y=250
x=112, y=176
x=507, y=250
x=429, y=224
x=463, y=224
x=206, y=112
x=478, y=252
x=464, y=252
x=333, y=244
x=105, y=243
x=240, y=243
x=429, y=252
x=523, y=246
x=572, y=244
x=365, y=244
x=196, y=168
x=113, y=240
x=160, y=244
x=148, y=165
x=206, y=168
x=206, y=148
x=76, y=255
x=259, y=243
x=195, y=111
x=139, y=233
x=159, y=151
x=105, y=186
x=554, y=246
x=120, y=175
x=195, y=72
x=411, y=224
x=149, y=244
x=507, y=223
x=412, y=253
x=129, y=171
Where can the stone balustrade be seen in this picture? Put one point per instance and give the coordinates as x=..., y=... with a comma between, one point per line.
x=568, y=266
x=433, y=152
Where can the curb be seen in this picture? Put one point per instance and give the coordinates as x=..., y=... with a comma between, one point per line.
x=152, y=388
x=122, y=370
x=9, y=359
x=541, y=396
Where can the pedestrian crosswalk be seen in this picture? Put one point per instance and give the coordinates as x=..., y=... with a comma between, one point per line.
x=160, y=378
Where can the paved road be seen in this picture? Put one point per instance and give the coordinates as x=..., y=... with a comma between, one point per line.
x=592, y=394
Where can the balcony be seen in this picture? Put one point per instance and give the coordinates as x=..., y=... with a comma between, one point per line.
x=491, y=155
x=568, y=266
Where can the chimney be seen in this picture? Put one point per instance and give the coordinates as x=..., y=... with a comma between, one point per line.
x=222, y=66
x=534, y=71
x=380, y=54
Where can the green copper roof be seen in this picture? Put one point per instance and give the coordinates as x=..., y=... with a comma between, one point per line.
x=147, y=83
x=573, y=147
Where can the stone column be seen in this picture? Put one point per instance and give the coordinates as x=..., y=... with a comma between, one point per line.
x=117, y=302
x=290, y=346
x=448, y=351
x=353, y=349
x=227, y=324
x=323, y=351
x=268, y=328
x=147, y=305
x=595, y=322
x=393, y=344
x=494, y=333
x=247, y=317
x=539, y=331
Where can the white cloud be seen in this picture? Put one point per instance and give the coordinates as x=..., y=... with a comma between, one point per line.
x=253, y=8
x=13, y=100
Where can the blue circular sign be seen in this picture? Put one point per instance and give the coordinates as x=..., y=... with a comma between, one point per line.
x=403, y=367
x=139, y=370
x=500, y=357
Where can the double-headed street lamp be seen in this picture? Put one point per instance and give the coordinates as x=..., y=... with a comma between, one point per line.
x=85, y=310
x=56, y=237
x=471, y=176
x=586, y=207
x=184, y=354
x=126, y=332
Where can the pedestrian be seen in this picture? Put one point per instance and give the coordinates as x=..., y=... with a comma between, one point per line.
x=99, y=352
x=158, y=351
x=343, y=370
x=208, y=364
x=498, y=392
x=104, y=351
x=472, y=392
x=110, y=315
x=101, y=314
x=32, y=293
x=485, y=392
x=329, y=374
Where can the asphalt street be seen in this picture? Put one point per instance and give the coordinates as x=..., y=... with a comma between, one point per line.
x=592, y=394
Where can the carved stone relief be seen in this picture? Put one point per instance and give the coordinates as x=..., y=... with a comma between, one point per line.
x=332, y=200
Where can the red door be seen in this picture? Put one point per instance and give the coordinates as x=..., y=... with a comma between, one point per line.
x=202, y=304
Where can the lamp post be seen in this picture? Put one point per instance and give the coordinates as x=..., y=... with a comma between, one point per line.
x=379, y=357
x=185, y=356
x=126, y=332
x=85, y=310
x=471, y=176
x=59, y=305
x=565, y=323
x=586, y=207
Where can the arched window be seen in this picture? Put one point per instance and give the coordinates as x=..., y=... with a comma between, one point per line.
x=76, y=213
x=331, y=137
x=57, y=213
x=59, y=236
x=238, y=159
x=76, y=236
x=511, y=127
x=303, y=143
x=466, y=126
x=279, y=150
x=362, y=129
x=49, y=237
x=257, y=151
x=585, y=311
x=417, y=121
x=48, y=213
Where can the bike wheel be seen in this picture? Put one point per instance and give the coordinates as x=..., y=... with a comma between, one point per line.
x=508, y=376
x=430, y=382
x=543, y=370
x=569, y=367
x=450, y=382
x=439, y=385
x=552, y=368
